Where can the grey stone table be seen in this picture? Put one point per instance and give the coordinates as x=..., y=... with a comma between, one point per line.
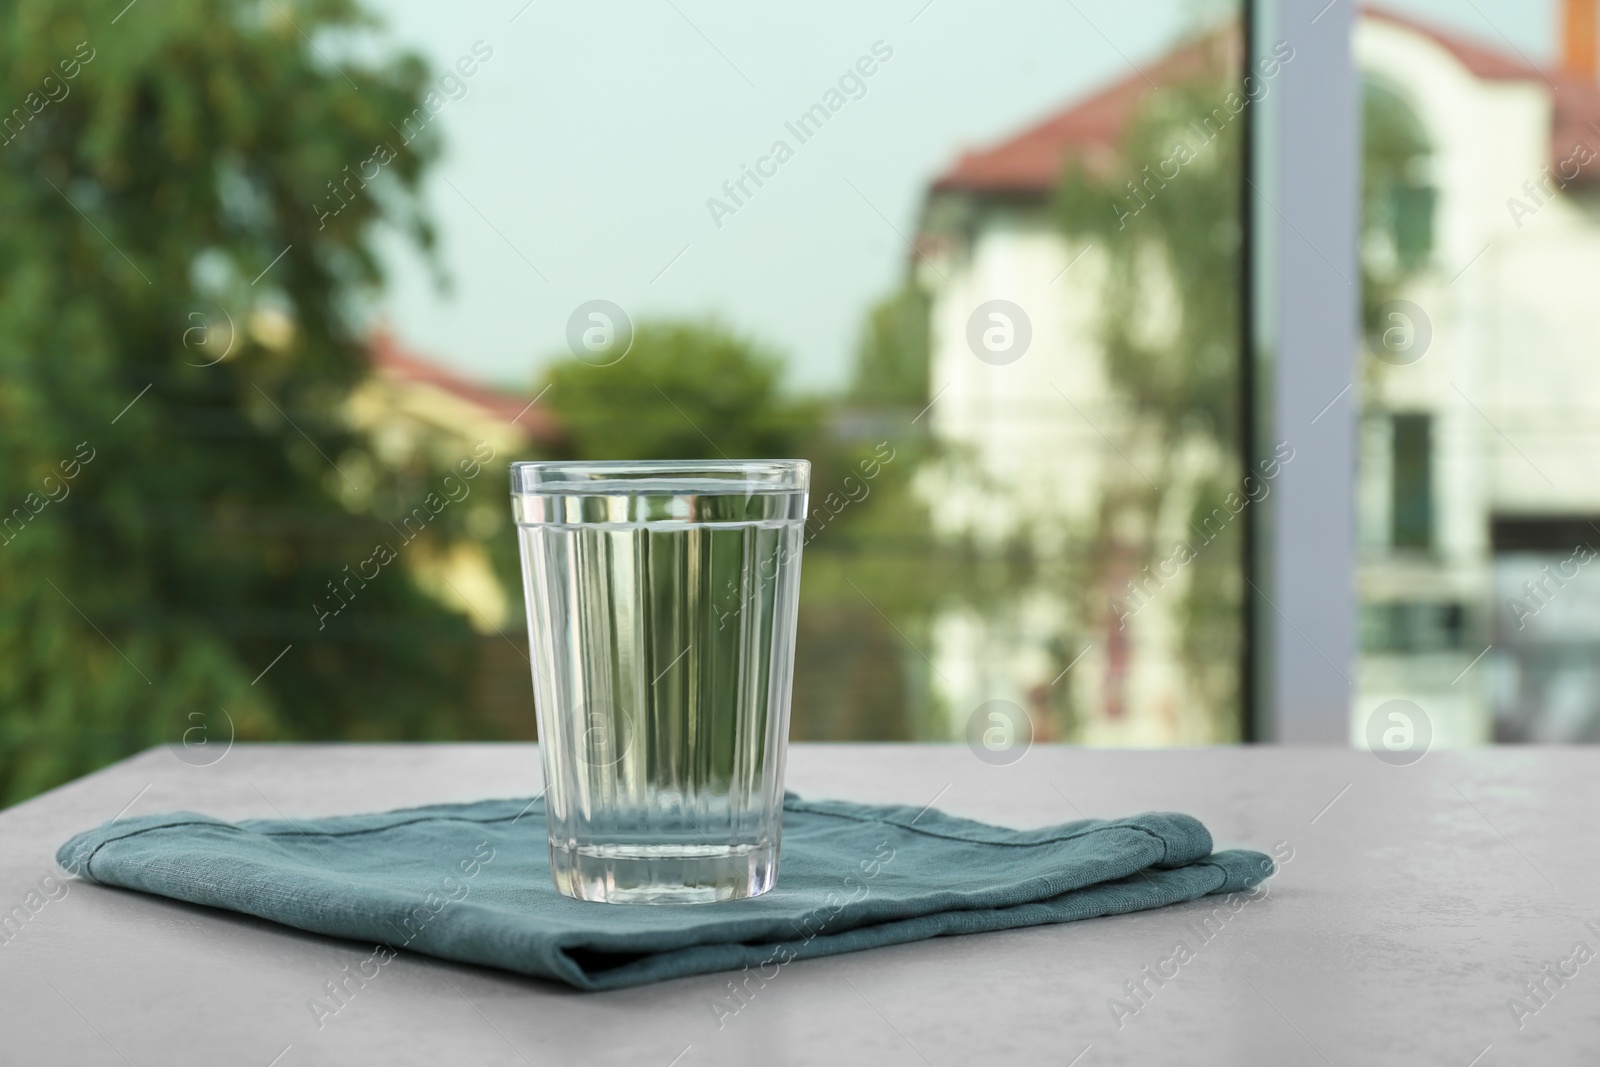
x=1414, y=906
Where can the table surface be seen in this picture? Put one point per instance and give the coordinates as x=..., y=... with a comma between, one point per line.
x=1414, y=905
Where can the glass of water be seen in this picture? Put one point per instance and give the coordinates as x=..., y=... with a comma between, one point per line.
x=661, y=614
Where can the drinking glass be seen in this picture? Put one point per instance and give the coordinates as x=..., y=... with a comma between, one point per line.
x=661, y=614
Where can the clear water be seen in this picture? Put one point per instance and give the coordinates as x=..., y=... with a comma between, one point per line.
x=661, y=616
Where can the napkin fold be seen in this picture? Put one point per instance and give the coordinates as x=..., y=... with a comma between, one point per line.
x=471, y=882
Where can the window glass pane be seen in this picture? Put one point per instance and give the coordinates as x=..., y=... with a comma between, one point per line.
x=979, y=264
x=1413, y=481
x=1478, y=512
x=271, y=342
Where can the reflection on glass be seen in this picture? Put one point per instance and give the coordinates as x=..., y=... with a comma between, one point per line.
x=977, y=264
x=1026, y=507
x=1478, y=506
x=1083, y=279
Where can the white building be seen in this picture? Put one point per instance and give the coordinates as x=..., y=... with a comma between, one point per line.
x=1480, y=420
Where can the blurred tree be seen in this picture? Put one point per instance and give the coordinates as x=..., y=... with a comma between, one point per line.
x=684, y=390
x=892, y=357
x=877, y=573
x=688, y=390
x=1172, y=253
x=189, y=191
x=1168, y=222
x=1397, y=199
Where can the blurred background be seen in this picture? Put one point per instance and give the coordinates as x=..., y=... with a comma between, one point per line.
x=285, y=285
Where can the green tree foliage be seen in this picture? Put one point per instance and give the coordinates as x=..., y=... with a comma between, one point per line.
x=693, y=390
x=879, y=567
x=1397, y=199
x=1168, y=222
x=684, y=390
x=892, y=359
x=188, y=203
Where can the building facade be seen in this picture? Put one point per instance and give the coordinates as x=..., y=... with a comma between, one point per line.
x=1478, y=405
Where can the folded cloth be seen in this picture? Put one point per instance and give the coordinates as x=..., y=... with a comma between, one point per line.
x=471, y=882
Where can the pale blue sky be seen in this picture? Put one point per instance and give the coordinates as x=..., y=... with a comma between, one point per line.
x=585, y=149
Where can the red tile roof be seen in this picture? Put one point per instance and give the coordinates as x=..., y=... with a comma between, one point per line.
x=1576, y=120
x=1030, y=162
x=390, y=359
x=1575, y=104
x=1484, y=62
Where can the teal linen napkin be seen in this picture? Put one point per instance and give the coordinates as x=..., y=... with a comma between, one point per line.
x=471, y=882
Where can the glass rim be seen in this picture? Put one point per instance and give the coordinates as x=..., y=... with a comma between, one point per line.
x=533, y=474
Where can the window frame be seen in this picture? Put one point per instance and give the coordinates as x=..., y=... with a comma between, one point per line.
x=1301, y=206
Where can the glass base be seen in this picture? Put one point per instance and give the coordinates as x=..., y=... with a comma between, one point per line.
x=664, y=874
